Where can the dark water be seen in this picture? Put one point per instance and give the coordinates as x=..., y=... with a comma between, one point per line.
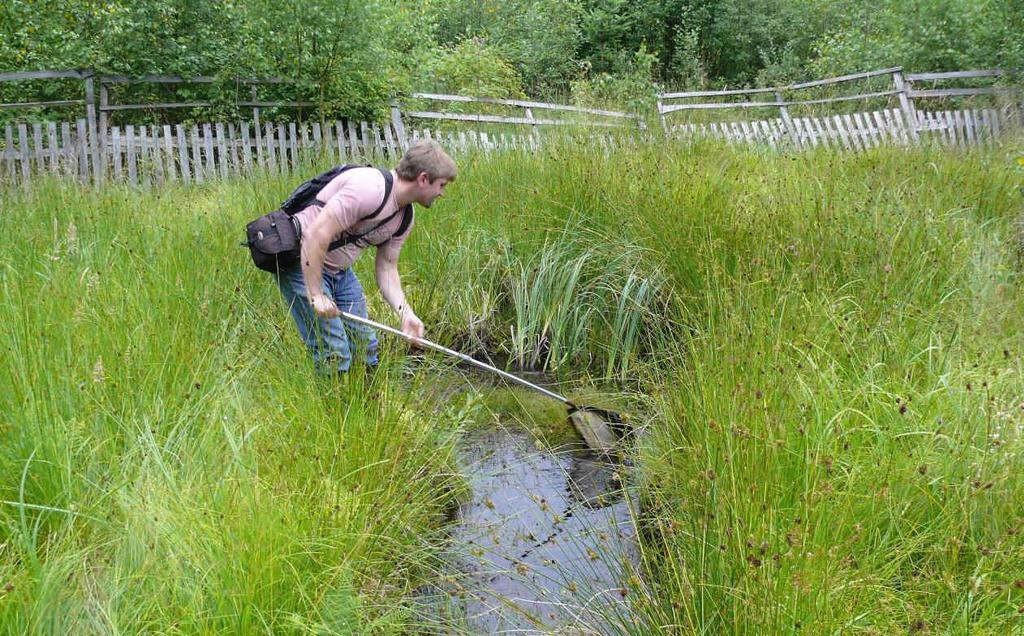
x=547, y=544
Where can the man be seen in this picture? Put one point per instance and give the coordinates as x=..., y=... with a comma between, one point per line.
x=324, y=283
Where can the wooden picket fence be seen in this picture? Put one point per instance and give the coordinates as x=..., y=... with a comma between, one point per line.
x=860, y=131
x=910, y=124
x=93, y=151
x=154, y=155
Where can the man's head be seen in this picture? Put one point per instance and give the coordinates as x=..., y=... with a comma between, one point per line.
x=429, y=168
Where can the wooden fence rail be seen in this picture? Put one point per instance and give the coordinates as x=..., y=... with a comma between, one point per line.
x=528, y=108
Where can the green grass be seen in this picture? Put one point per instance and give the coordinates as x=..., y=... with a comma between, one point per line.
x=824, y=349
x=169, y=461
x=841, y=448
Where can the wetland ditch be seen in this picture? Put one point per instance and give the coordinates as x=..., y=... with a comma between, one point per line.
x=545, y=543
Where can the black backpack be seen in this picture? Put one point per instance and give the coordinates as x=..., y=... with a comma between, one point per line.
x=275, y=239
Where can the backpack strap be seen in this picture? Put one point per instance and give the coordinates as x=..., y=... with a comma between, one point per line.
x=406, y=213
x=388, y=184
x=306, y=193
x=345, y=239
x=353, y=239
x=403, y=227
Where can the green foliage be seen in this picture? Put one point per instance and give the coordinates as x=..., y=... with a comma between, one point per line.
x=351, y=58
x=931, y=35
x=629, y=86
x=471, y=67
x=345, y=56
x=613, y=30
x=538, y=37
x=336, y=49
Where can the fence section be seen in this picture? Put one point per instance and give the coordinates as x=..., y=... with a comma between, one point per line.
x=583, y=116
x=153, y=155
x=906, y=124
x=860, y=131
x=93, y=150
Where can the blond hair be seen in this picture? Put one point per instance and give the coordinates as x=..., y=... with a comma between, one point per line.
x=426, y=156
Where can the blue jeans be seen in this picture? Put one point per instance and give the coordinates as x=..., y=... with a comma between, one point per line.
x=330, y=340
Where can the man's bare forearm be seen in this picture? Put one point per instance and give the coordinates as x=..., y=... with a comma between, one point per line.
x=390, y=284
x=313, y=253
x=315, y=241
